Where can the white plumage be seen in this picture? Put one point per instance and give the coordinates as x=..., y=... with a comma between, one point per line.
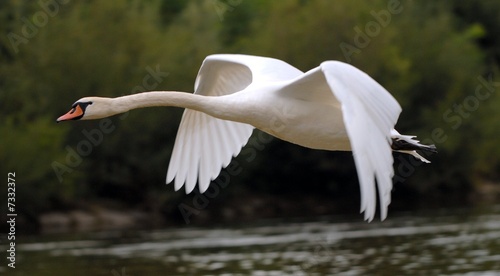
x=334, y=106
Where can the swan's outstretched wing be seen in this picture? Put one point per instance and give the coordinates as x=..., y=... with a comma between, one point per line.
x=369, y=114
x=204, y=144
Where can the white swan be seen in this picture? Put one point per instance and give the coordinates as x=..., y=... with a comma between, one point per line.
x=334, y=106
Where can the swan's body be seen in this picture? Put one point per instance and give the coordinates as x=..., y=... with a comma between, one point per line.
x=332, y=107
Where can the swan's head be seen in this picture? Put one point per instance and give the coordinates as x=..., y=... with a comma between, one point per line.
x=88, y=108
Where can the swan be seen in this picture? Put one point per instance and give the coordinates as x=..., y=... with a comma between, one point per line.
x=334, y=106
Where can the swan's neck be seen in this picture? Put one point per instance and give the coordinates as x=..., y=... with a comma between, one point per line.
x=206, y=104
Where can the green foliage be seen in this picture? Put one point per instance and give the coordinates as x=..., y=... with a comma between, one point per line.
x=29, y=150
x=430, y=56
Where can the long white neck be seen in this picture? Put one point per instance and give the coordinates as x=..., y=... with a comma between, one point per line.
x=207, y=104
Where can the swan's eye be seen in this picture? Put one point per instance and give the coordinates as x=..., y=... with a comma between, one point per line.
x=84, y=105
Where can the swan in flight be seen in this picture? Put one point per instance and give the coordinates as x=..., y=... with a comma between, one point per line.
x=334, y=106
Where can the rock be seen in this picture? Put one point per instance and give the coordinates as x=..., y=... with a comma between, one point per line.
x=115, y=219
x=81, y=220
x=55, y=222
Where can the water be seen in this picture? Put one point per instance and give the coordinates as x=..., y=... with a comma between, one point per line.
x=449, y=242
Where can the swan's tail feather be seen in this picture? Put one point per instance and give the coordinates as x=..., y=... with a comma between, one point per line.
x=406, y=144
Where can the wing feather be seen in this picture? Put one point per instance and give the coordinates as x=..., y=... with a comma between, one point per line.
x=370, y=113
x=204, y=144
x=193, y=156
x=206, y=153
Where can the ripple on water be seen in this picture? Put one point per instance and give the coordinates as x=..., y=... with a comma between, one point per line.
x=451, y=245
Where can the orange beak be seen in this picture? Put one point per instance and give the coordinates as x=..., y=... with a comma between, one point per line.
x=75, y=113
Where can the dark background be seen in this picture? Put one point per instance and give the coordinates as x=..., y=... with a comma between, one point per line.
x=439, y=60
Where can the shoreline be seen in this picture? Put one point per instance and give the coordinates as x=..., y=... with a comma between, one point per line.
x=95, y=216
